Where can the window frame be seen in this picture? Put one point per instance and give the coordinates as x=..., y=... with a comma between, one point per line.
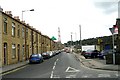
x=5, y=29
x=13, y=29
x=18, y=31
x=13, y=52
x=23, y=32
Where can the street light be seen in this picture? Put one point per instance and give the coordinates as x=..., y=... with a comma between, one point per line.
x=25, y=11
x=80, y=38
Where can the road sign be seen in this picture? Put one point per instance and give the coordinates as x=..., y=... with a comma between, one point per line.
x=111, y=30
x=53, y=38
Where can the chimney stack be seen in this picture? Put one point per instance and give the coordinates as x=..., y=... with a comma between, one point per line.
x=23, y=22
x=28, y=25
x=16, y=17
x=8, y=13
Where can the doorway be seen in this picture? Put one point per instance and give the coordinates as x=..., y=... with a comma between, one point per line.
x=18, y=52
x=5, y=53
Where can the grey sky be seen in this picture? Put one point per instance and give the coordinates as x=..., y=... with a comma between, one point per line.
x=94, y=16
x=107, y=7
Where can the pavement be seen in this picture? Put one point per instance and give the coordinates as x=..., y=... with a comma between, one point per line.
x=11, y=67
x=91, y=63
x=97, y=63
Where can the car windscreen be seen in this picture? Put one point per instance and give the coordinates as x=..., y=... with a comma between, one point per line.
x=88, y=51
x=33, y=56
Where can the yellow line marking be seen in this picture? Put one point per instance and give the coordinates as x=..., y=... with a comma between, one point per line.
x=13, y=71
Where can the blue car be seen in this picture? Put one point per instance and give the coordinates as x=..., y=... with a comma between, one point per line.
x=103, y=53
x=36, y=58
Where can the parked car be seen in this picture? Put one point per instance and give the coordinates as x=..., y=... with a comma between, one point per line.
x=95, y=53
x=54, y=53
x=46, y=55
x=50, y=53
x=36, y=58
x=91, y=54
x=83, y=52
x=103, y=53
x=87, y=54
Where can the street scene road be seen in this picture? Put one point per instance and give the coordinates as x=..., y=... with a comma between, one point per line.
x=63, y=65
x=63, y=39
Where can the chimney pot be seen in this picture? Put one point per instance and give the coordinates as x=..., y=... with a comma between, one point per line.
x=17, y=17
x=8, y=13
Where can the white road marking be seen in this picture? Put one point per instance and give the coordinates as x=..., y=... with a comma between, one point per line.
x=71, y=76
x=56, y=76
x=53, y=67
x=57, y=59
x=51, y=76
x=55, y=64
x=103, y=75
x=70, y=69
x=85, y=76
x=116, y=75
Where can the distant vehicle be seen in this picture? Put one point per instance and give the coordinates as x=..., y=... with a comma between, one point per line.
x=50, y=53
x=58, y=51
x=36, y=58
x=46, y=55
x=54, y=53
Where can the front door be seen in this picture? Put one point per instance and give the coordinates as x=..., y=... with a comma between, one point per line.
x=18, y=52
x=5, y=54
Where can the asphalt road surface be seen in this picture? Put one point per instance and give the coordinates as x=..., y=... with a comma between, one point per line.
x=63, y=65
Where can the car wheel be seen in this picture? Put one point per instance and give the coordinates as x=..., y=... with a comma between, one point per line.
x=86, y=57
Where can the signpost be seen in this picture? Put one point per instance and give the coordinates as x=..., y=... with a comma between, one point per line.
x=112, y=30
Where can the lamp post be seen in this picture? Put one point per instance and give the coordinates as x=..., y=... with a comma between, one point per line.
x=25, y=11
x=25, y=35
x=80, y=38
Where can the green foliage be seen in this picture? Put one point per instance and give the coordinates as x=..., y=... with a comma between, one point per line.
x=93, y=41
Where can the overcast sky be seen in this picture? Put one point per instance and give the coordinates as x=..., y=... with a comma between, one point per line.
x=94, y=16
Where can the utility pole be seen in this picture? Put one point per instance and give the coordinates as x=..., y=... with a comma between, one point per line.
x=71, y=42
x=112, y=31
x=71, y=38
x=80, y=38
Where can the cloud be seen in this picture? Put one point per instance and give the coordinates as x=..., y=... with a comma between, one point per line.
x=107, y=7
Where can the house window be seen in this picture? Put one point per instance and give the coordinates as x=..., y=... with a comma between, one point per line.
x=23, y=50
x=40, y=39
x=26, y=33
x=18, y=31
x=13, y=51
x=23, y=32
x=13, y=29
x=36, y=37
x=5, y=25
x=31, y=36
